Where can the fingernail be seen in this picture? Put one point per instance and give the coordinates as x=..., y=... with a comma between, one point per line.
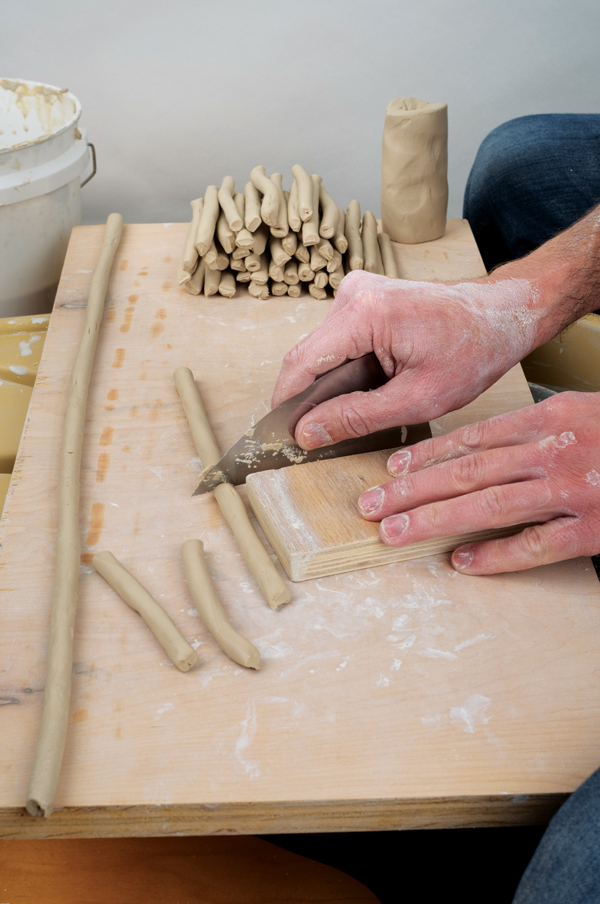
x=371, y=501
x=462, y=558
x=313, y=436
x=394, y=527
x=398, y=463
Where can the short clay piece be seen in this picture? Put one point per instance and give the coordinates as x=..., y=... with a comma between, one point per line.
x=215, y=257
x=329, y=215
x=275, y=273
x=290, y=273
x=225, y=234
x=414, y=180
x=55, y=713
x=258, y=290
x=210, y=609
x=317, y=293
x=335, y=262
x=305, y=192
x=325, y=249
x=310, y=228
x=336, y=277
x=212, y=278
x=294, y=291
x=243, y=276
x=190, y=253
x=269, y=208
x=339, y=240
x=369, y=240
x=196, y=283
x=261, y=275
x=278, y=255
x=279, y=288
x=252, y=262
x=238, y=265
x=293, y=212
x=321, y=279
x=390, y=268
x=243, y=238
x=227, y=284
x=290, y=243
x=252, y=218
x=240, y=253
x=355, y=246
x=261, y=237
x=302, y=254
x=281, y=228
x=179, y=651
x=317, y=262
x=305, y=273
x=228, y=205
x=208, y=220
x=255, y=555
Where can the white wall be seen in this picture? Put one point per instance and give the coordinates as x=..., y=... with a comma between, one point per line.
x=178, y=94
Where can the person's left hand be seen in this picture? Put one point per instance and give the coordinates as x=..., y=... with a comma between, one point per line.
x=539, y=464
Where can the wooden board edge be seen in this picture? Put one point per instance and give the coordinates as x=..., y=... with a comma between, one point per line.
x=283, y=817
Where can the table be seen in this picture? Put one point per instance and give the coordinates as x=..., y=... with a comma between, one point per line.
x=399, y=697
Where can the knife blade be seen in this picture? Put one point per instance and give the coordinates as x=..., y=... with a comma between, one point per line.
x=270, y=444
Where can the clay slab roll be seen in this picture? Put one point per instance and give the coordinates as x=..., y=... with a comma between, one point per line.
x=414, y=170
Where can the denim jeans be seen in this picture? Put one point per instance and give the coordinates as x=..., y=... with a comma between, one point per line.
x=532, y=178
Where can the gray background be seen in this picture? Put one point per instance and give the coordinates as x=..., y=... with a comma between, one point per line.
x=178, y=94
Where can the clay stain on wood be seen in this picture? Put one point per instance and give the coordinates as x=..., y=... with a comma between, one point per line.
x=166, y=286
x=106, y=437
x=132, y=299
x=80, y=715
x=96, y=524
x=102, y=467
x=155, y=410
x=123, y=265
x=161, y=314
x=128, y=317
x=119, y=358
x=111, y=313
x=156, y=329
x=143, y=272
x=111, y=396
x=87, y=557
x=133, y=411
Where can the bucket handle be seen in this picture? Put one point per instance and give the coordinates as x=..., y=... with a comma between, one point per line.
x=93, y=173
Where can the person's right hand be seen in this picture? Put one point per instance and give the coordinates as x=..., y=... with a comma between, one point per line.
x=440, y=345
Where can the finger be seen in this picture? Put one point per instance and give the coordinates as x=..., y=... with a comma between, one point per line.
x=493, y=507
x=456, y=477
x=539, y=544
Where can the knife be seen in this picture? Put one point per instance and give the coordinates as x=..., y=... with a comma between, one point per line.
x=270, y=444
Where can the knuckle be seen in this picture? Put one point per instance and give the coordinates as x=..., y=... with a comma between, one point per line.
x=492, y=504
x=473, y=436
x=466, y=472
x=353, y=422
x=534, y=543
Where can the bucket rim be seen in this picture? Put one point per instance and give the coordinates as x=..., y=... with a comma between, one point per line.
x=59, y=131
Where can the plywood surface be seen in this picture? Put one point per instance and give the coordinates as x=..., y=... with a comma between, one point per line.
x=406, y=695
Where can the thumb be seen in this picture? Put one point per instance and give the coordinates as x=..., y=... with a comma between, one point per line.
x=348, y=416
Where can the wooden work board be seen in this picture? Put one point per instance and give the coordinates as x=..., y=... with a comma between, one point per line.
x=401, y=696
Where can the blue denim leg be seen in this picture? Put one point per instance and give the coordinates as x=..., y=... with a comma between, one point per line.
x=533, y=177
x=565, y=868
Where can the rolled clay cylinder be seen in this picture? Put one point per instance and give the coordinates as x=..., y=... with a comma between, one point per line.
x=179, y=651
x=225, y=234
x=215, y=257
x=243, y=238
x=282, y=228
x=389, y=261
x=212, y=278
x=196, y=283
x=369, y=240
x=261, y=237
x=317, y=262
x=208, y=220
x=255, y=555
x=243, y=277
x=335, y=262
x=252, y=218
x=228, y=205
x=302, y=254
x=278, y=254
x=305, y=192
x=227, y=284
x=210, y=609
x=321, y=279
x=258, y=290
x=294, y=291
x=190, y=253
x=339, y=240
x=275, y=272
x=380, y=268
x=52, y=735
x=293, y=212
x=336, y=277
x=269, y=208
x=240, y=253
x=252, y=262
x=289, y=243
x=325, y=249
x=414, y=170
x=279, y=288
x=237, y=264
x=355, y=246
x=317, y=293
x=329, y=216
x=310, y=229
x=290, y=273
x=305, y=273
x=183, y=277
x=261, y=275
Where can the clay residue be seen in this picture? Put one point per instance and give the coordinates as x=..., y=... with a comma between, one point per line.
x=106, y=437
x=102, y=467
x=96, y=524
x=128, y=317
x=119, y=358
x=270, y=447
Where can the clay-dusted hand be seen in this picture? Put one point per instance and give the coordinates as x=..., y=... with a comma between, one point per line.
x=440, y=345
x=539, y=464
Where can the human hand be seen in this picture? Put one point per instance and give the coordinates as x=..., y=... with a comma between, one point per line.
x=439, y=344
x=539, y=464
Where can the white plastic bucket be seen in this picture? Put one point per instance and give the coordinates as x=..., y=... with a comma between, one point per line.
x=43, y=155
